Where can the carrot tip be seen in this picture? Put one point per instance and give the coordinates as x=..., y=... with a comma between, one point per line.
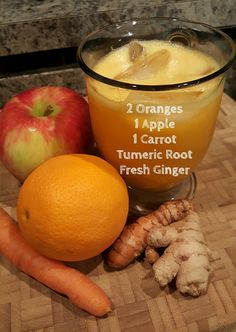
x=109, y=308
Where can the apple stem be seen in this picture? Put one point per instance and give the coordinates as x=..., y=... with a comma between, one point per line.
x=49, y=110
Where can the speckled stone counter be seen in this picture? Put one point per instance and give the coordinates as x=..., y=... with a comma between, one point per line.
x=34, y=25
x=31, y=25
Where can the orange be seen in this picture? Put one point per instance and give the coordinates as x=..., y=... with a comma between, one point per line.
x=72, y=207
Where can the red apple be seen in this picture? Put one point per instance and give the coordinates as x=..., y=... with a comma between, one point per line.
x=41, y=123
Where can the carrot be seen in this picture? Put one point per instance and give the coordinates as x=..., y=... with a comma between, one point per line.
x=82, y=291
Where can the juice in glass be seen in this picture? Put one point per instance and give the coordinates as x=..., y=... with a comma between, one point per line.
x=155, y=139
x=154, y=88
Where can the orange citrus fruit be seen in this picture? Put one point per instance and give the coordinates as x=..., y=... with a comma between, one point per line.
x=72, y=207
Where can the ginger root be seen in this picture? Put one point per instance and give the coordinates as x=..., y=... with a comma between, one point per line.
x=133, y=240
x=186, y=257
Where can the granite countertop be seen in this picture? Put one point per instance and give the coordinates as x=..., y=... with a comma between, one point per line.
x=34, y=25
x=30, y=26
x=29, y=10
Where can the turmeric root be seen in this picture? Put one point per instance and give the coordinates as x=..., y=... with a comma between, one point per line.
x=133, y=240
x=186, y=257
x=151, y=254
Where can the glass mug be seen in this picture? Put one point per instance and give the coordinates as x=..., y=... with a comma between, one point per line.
x=155, y=134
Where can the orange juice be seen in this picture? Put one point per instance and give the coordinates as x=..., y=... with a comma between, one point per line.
x=154, y=138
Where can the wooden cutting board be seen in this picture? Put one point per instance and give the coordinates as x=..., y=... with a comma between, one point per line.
x=140, y=305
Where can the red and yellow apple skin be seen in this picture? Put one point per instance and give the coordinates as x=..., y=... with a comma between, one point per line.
x=41, y=123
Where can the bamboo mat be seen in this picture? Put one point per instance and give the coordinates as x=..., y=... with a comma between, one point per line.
x=140, y=305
